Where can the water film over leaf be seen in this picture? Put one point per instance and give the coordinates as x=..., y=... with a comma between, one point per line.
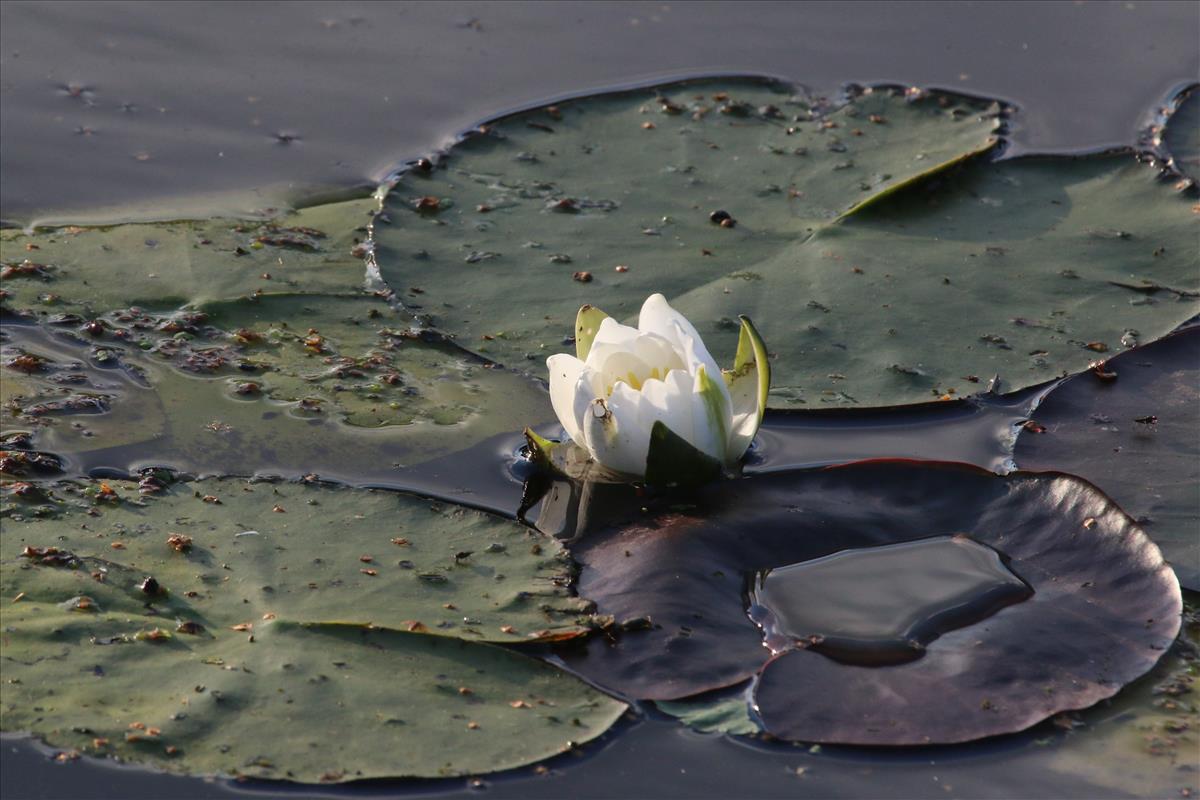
x=1103, y=606
x=1129, y=426
x=163, y=266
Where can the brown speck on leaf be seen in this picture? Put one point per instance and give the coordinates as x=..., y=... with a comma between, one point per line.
x=211, y=498
x=464, y=690
x=1098, y=347
x=242, y=627
x=414, y=626
x=269, y=615
x=621, y=268
x=704, y=251
x=649, y=126
x=278, y=509
x=117, y=545
x=508, y=629
x=472, y=726
x=1033, y=427
x=366, y=559
x=428, y=203
x=371, y=572
x=1101, y=370
x=519, y=704
x=449, y=606
x=878, y=119
x=179, y=543
x=1089, y=523
x=583, y=276
x=400, y=541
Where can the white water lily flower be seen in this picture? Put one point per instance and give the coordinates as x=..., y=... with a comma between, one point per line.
x=628, y=386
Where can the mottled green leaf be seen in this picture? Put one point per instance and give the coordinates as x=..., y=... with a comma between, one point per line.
x=939, y=275
x=302, y=702
x=303, y=552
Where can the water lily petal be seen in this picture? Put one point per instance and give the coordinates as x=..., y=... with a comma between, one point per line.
x=667, y=401
x=565, y=372
x=658, y=317
x=612, y=332
x=653, y=350
x=614, y=434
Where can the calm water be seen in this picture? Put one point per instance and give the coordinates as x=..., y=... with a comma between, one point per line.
x=124, y=110
x=110, y=107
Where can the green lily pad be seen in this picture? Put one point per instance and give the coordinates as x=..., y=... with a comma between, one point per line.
x=722, y=711
x=1017, y=267
x=92, y=270
x=1181, y=133
x=294, y=701
x=303, y=552
x=1030, y=268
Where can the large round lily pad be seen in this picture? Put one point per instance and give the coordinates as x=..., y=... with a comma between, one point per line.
x=304, y=552
x=854, y=248
x=1130, y=427
x=295, y=701
x=153, y=629
x=1103, y=608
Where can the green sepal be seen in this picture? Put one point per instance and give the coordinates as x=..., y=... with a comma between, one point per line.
x=540, y=448
x=587, y=325
x=673, y=461
x=752, y=351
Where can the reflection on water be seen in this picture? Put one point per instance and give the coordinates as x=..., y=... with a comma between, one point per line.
x=882, y=605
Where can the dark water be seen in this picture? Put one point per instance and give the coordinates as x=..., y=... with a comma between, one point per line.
x=128, y=110
x=111, y=107
x=881, y=605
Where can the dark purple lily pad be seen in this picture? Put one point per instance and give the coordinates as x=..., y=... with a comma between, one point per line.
x=1104, y=604
x=1133, y=433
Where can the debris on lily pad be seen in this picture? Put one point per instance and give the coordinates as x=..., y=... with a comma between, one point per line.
x=1101, y=606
